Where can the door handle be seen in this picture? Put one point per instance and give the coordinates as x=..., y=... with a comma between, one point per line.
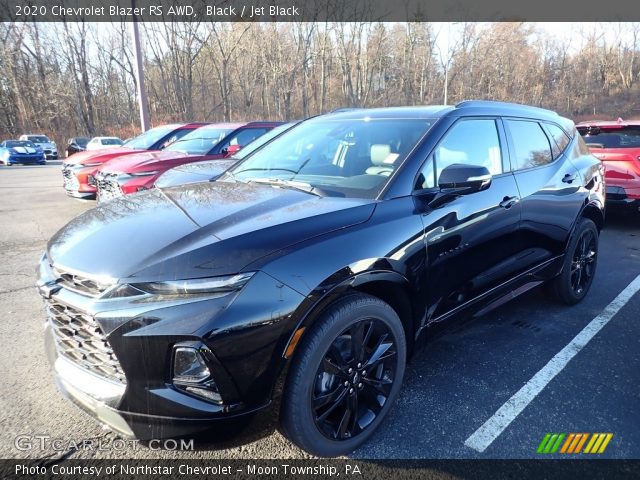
x=569, y=177
x=508, y=202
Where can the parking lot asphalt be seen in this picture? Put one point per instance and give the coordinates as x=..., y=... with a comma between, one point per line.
x=466, y=373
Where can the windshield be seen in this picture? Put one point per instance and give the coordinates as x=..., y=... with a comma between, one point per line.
x=200, y=141
x=627, y=137
x=19, y=143
x=82, y=142
x=38, y=139
x=111, y=141
x=260, y=141
x=334, y=157
x=146, y=140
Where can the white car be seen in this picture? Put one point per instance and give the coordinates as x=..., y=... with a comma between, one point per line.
x=48, y=146
x=97, y=143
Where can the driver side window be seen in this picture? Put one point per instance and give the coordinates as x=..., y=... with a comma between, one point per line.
x=470, y=142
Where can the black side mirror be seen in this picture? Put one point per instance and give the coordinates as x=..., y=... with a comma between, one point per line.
x=464, y=179
x=459, y=179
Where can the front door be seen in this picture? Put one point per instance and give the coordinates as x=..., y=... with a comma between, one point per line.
x=471, y=241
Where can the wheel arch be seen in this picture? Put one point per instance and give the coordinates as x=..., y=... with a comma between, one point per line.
x=387, y=285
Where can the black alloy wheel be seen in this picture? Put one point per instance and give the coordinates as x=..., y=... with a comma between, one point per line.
x=584, y=261
x=579, y=266
x=354, y=380
x=345, y=375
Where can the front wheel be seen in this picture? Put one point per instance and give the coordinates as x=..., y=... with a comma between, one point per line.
x=579, y=267
x=345, y=376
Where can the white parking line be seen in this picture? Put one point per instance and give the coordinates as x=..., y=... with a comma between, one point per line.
x=492, y=428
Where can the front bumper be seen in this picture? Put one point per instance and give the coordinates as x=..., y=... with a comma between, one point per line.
x=142, y=335
x=73, y=183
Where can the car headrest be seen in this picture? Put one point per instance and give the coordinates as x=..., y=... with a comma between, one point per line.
x=379, y=153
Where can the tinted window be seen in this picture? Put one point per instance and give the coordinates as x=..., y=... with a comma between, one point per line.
x=531, y=145
x=471, y=142
x=262, y=140
x=596, y=137
x=336, y=157
x=146, y=140
x=559, y=139
x=38, y=139
x=199, y=141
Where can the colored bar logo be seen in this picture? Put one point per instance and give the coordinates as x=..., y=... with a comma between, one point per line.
x=574, y=443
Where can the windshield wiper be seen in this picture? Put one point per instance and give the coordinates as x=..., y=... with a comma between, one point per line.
x=289, y=184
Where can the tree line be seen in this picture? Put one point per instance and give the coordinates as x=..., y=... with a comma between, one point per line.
x=68, y=79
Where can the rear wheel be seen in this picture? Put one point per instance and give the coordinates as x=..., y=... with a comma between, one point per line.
x=579, y=268
x=345, y=376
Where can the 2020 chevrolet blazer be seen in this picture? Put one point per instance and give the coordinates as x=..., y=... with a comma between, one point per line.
x=299, y=283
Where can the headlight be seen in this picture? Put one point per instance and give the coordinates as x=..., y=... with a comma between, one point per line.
x=196, y=286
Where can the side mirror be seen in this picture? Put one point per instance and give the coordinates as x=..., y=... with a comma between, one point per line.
x=231, y=150
x=459, y=179
x=464, y=179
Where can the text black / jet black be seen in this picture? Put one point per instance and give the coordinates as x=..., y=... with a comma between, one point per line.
x=306, y=275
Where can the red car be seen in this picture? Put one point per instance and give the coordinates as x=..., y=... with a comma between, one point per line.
x=617, y=145
x=78, y=171
x=134, y=173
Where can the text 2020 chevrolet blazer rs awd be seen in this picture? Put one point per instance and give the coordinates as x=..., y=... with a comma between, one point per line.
x=300, y=281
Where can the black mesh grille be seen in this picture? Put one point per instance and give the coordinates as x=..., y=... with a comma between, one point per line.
x=80, y=339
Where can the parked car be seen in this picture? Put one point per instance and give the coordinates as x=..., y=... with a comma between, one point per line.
x=139, y=172
x=209, y=170
x=617, y=145
x=78, y=171
x=98, y=143
x=298, y=283
x=48, y=146
x=76, y=144
x=20, y=151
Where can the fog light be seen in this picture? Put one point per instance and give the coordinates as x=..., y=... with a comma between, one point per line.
x=210, y=393
x=189, y=366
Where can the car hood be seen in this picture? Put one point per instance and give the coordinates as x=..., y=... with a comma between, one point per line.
x=99, y=156
x=23, y=150
x=142, y=161
x=194, y=172
x=195, y=231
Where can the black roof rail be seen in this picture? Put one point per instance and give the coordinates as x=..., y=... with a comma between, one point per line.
x=495, y=103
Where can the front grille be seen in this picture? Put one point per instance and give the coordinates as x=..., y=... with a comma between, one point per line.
x=79, y=338
x=70, y=180
x=108, y=186
x=79, y=284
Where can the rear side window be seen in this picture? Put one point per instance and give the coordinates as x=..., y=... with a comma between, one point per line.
x=559, y=139
x=531, y=145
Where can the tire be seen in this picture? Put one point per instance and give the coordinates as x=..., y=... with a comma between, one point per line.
x=320, y=373
x=579, y=267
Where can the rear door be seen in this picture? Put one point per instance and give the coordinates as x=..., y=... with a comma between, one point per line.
x=549, y=186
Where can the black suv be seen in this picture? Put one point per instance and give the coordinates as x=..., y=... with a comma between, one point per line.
x=298, y=283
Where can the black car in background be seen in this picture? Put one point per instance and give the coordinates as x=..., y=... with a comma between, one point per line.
x=77, y=144
x=300, y=282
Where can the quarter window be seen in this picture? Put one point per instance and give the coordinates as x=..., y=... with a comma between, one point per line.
x=470, y=142
x=559, y=139
x=531, y=145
